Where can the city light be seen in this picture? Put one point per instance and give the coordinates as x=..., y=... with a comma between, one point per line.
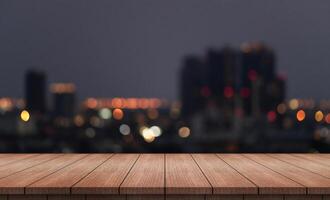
x=78, y=120
x=319, y=116
x=301, y=115
x=228, y=92
x=327, y=118
x=25, y=115
x=271, y=116
x=156, y=131
x=252, y=74
x=184, y=132
x=105, y=113
x=62, y=88
x=293, y=104
x=245, y=92
x=281, y=108
x=118, y=114
x=124, y=129
x=148, y=135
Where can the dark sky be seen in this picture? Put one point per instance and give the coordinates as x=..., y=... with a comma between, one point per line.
x=134, y=47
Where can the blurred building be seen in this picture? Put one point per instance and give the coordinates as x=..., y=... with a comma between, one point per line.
x=194, y=88
x=35, y=91
x=63, y=99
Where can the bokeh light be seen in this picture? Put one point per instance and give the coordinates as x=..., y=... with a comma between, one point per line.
x=184, y=132
x=319, y=116
x=300, y=115
x=25, y=115
x=118, y=114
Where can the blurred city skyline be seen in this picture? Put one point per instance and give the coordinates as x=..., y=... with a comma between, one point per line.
x=135, y=48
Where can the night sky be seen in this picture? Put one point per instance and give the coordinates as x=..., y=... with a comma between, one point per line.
x=133, y=48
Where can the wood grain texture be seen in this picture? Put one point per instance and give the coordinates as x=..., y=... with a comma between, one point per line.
x=66, y=197
x=146, y=177
x=268, y=181
x=224, y=197
x=183, y=176
x=185, y=197
x=145, y=197
x=15, y=184
x=305, y=197
x=223, y=178
x=105, y=197
x=263, y=197
x=305, y=163
x=27, y=197
x=107, y=178
x=317, y=158
x=314, y=183
x=10, y=158
x=21, y=165
x=61, y=181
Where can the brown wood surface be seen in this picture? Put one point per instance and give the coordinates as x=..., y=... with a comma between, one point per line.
x=268, y=181
x=223, y=178
x=10, y=158
x=164, y=176
x=316, y=158
x=15, y=184
x=183, y=176
x=107, y=178
x=147, y=176
x=20, y=165
x=61, y=181
x=305, y=163
x=314, y=183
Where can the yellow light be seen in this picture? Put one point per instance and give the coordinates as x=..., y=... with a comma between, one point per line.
x=148, y=135
x=301, y=115
x=184, y=132
x=319, y=116
x=294, y=104
x=25, y=115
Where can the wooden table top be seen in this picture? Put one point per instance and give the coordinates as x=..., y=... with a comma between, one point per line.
x=165, y=174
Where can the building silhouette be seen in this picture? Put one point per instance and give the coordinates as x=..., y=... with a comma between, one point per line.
x=35, y=91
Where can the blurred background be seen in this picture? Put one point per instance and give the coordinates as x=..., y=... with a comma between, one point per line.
x=164, y=76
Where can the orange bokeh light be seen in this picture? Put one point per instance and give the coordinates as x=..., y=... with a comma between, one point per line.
x=118, y=114
x=301, y=115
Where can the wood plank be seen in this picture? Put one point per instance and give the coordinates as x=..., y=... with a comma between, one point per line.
x=305, y=163
x=14, y=184
x=107, y=178
x=224, y=197
x=27, y=197
x=223, y=178
x=263, y=197
x=61, y=181
x=147, y=176
x=105, y=197
x=315, y=183
x=10, y=158
x=303, y=197
x=66, y=197
x=185, y=197
x=183, y=176
x=268, y=181
x=26, y=163
x=317, y=158
x=145, y=197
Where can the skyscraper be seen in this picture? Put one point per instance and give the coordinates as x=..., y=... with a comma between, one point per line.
x=35, y=91
x=193, y=85
x=258, y=73
x=63, y=99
